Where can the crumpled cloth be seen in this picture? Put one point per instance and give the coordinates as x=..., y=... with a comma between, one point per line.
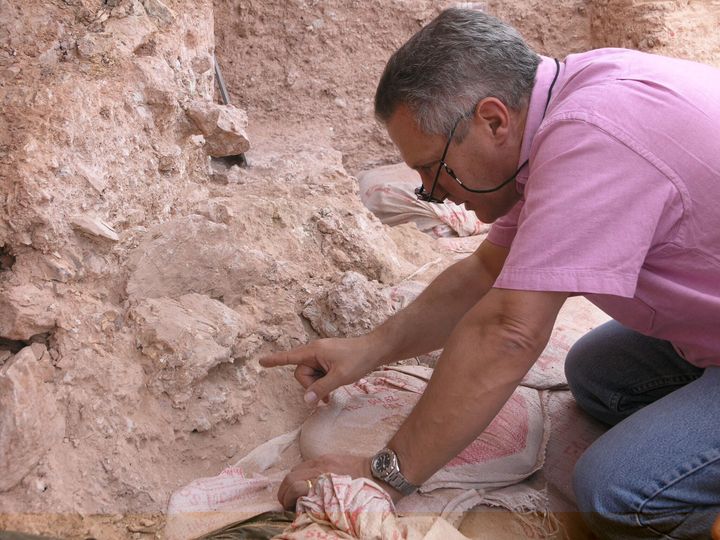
x=341, y=507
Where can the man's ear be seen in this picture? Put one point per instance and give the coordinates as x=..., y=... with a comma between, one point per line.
x=492, y=113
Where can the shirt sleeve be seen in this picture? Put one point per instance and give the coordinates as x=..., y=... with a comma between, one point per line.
x=593, y=209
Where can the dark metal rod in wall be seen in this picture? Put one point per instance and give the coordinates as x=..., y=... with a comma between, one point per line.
x=221, y=82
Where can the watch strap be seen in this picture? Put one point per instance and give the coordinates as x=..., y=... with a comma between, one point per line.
x=392, y=475
x=400, y=483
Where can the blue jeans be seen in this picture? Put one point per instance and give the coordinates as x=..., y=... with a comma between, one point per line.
x=656, y=472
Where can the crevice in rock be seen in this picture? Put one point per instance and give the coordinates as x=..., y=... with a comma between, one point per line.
x=228, y=161
x=16, y=345
x=13, y=345
x=7, y=258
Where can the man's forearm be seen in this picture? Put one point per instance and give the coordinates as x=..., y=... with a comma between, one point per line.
x=483, y=362
x=427, y=322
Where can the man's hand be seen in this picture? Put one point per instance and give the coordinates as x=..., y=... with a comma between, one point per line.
x=296, y=485
x=326, y=364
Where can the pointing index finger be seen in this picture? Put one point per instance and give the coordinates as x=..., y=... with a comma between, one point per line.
x=286, y=358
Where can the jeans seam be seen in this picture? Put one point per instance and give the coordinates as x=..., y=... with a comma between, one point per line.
x=638, y=515
x=663, y=381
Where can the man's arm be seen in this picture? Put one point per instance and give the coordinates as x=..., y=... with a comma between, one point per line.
x=427, y=322
x=423, y=326
x=485, y=358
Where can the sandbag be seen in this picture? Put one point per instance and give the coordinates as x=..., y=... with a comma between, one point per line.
x=361, y=418
x=572, y=432
x=389, y=193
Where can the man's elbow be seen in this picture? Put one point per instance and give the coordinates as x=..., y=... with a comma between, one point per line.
x=520, y=339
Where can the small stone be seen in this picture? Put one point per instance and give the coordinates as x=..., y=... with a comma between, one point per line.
x=94, y=227
x=218, y=212
x=38, y=350
x=25, y=311
x=4, y=356
x=169, y=158
x=317, y=24
x=223, y=127
x=158, y=10
x=94, y=46
x=223, y=173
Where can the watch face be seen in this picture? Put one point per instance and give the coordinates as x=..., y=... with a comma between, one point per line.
x=383, y=463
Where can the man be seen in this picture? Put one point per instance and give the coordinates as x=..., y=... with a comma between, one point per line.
x=601, y=174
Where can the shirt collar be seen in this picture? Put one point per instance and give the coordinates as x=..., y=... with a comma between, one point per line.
x=538, y=99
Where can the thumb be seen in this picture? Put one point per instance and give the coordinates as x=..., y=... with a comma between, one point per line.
x=320, y=389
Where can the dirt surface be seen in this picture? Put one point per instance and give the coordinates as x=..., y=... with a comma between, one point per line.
x=139, y=284
x=319, y=71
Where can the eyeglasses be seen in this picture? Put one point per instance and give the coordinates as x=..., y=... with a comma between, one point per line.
x=428, y=197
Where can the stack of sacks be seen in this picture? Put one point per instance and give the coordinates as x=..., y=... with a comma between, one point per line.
x=389, y=193
x=360, y=419
x=240, y=492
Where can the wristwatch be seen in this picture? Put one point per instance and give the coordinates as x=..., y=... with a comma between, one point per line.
x=385, y=466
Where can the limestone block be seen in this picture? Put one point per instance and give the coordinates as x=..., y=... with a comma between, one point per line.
x=350, y=306
x=30, y=422
x=94, y=227
x=158, y=10
x=129, y=32
x=159, y=90
x=170, y=158
x=223, y=127
x=352, y=242
x=185, y=339
x=224, y=172
x=26, y=310
x=215, y=263
x=95, y=46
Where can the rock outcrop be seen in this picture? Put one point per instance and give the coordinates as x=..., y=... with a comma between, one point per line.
x=30, y=419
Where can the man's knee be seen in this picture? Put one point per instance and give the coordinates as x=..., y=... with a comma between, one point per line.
x=616, y=501
x=584, y=370
x=602, y=496
x=579, y=366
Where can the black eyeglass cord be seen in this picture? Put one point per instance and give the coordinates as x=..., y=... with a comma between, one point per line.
x=520, y=168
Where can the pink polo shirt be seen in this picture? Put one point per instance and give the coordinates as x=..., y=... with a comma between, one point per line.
x=621, y=199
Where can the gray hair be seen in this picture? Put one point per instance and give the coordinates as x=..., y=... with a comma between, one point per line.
x=447, y=67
